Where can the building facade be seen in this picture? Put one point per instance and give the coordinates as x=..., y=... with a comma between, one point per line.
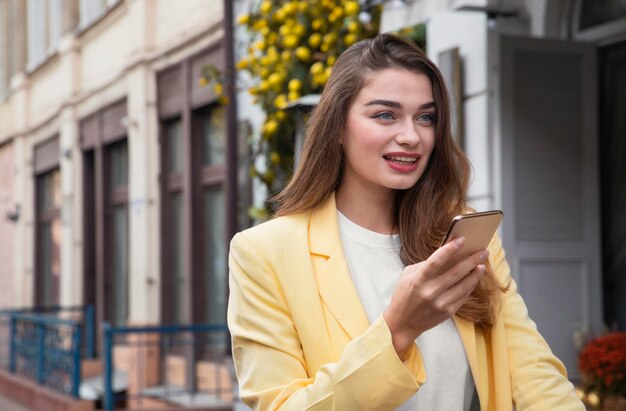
x=117, y=165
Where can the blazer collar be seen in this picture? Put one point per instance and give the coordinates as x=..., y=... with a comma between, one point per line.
x=333, y=276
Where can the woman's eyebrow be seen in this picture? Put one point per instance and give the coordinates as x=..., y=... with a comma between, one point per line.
x=395, y=104
x=388, y=103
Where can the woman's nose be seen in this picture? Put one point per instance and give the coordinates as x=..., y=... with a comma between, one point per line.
x=408, y=135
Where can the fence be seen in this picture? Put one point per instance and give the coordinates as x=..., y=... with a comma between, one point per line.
x=42, y=348
x=162, y=366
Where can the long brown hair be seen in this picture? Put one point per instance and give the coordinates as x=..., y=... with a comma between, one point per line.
x=423, y=212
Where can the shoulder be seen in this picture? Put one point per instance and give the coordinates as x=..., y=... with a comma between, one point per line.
x=278, y=231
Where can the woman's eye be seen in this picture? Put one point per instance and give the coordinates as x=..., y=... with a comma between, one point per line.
x=427, y=118
x=385, y=116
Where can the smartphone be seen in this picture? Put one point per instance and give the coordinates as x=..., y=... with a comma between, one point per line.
x=477, y=228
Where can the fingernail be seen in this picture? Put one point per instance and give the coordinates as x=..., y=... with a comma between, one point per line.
x=481, y=268
x=484, y=255
x=459, y=242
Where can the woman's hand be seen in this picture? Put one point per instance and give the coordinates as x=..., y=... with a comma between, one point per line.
x=431, y=291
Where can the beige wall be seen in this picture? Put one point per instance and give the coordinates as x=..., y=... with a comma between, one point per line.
x=7, y=227
x=117, y=58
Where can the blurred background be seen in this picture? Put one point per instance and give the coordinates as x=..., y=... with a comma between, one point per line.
x=137, y=136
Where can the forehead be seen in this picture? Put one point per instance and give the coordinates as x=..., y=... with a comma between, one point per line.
x=397, y=84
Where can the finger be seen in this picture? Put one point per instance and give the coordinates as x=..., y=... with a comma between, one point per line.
x=455, y=297
x=441, y=256
x=461, y=269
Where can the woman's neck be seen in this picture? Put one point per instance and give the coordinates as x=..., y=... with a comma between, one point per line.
x=373, y=211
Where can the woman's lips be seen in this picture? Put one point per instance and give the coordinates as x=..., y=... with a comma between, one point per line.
x=402, y=162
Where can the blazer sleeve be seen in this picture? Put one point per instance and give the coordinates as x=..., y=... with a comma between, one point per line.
x=538, y=378
x=269, y=360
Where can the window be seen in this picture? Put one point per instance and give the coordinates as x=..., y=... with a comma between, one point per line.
x=49, y=238
x=197, y=194
x=105, y=214
x=210, y=137
x=176, y=281
x=13, y=37
x=116, y=229
x=598, y=12
x=91, y=10
x=45, y=27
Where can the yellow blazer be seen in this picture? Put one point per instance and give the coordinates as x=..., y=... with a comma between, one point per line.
x=301, y=339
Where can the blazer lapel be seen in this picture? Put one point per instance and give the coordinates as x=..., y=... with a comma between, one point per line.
x=333, y=276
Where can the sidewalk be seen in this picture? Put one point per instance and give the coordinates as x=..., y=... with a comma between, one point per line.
x=8, y=405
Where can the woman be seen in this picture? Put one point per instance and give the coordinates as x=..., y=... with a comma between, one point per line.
x=345, y=302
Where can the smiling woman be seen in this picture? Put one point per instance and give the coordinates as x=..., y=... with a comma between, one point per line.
x=345, y=301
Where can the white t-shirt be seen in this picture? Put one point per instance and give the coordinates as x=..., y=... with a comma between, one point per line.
x=375, y=266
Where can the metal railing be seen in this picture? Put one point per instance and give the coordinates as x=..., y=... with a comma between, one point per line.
x=83, y=314
x=42, y=348
x=187, y=366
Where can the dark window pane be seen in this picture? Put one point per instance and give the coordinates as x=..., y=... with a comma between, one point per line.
x=50, y=190
x=214, y=136
x=596, y=12
x=120, y=264
x=215, y=252
x=177, y=268
x=174, y=141
x=119, y=165
x=50, y=243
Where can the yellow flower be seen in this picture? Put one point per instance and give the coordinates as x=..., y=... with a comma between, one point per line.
x=280, y=115
x=270, y=127
x=260, y=45
x=242, y=64
x=353, y=26
x=317, y=68
x=269, y=176
x=279, y=16
x=349, y=39
x=285, y=55
x=275, y=79
x=290, y=7
x=266, y=7
x=294, y=84
x=293, y=95
x=351, y=8
x=223, y=100
x=303, y=53
x=317, y=24
x=336, y=14
x=274, y=158
x=284, y=30
x=280, y=101
x=303, y=6
x=264, y=85
x=315, y=40
x=218, y=88
x=244, y=19
x=330, y=38
x=260, y=24
x=330, y=61
x=290, y=41
x=327, y=72
x=299, y=30
x=202, y=81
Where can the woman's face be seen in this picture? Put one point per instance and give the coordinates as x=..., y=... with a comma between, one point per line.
x=390, y=132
